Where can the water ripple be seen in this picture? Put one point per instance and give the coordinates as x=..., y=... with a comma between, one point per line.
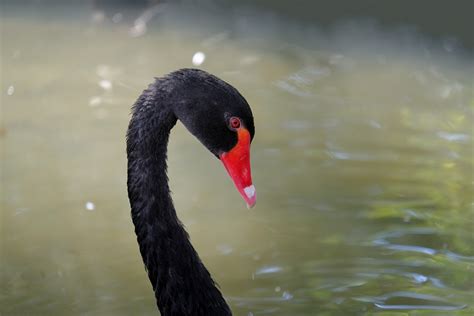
x=404, y=300
x=268, y=270
x=414, y=301
x=453, y=137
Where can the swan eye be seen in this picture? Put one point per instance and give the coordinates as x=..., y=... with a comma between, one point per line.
x=234, y=122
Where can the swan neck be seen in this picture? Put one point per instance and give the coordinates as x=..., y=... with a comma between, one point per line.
x=181, y=283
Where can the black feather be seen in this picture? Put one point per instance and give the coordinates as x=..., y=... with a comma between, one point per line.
x=181, y=283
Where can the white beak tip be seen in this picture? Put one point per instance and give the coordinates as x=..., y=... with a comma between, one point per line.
x=251, y=197
x=250, y=191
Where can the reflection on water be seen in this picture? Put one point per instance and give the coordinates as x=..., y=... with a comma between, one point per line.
x=362, y=160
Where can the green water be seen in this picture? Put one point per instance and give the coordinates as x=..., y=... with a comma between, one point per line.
x=362, y=160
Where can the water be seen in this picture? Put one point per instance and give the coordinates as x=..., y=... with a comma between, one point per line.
x=362, y=160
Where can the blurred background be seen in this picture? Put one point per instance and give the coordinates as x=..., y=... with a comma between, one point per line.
x=362, y=160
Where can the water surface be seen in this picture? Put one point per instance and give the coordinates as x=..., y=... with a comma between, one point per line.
x=363, y=163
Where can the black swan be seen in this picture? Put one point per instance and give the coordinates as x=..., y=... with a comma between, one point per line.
x=216, y=113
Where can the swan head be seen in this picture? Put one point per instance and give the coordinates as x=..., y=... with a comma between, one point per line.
x=221, y=119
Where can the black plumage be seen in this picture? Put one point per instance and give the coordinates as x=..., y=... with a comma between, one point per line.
x=203, y=103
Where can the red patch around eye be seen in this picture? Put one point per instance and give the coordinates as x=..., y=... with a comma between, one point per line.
x=234, y=122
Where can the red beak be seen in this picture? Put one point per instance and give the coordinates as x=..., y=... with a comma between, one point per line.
x=237, y=163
